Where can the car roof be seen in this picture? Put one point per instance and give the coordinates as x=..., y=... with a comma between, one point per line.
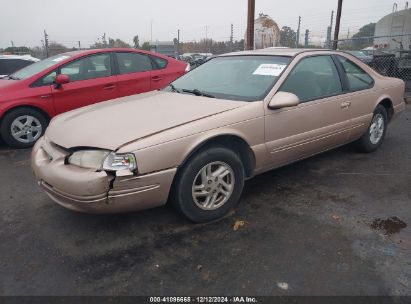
x=22, y=57
x=275, y=52
x=94, y=51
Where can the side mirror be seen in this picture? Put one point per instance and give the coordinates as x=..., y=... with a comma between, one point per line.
x=283, y=100
x=61, y=79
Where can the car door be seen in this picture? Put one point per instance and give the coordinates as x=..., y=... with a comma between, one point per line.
x=360, y=94
x=320, y=121
x=91, y=81
x=134, y=73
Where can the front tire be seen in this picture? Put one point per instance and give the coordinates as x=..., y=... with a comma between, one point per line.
x=209, y=184
x=375, y=134
x=22, y=127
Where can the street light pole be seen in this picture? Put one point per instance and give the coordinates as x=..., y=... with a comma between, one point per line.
x=250, y=25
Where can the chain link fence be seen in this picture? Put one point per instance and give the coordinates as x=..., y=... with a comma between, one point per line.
x=388, y=55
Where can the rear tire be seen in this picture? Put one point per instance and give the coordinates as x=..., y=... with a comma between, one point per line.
x=22, y=127
x=375, y=134
x=209, y=184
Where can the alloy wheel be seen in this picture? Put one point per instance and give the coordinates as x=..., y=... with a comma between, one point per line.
x=26, y=129
x=376, y=129
x=213, y=185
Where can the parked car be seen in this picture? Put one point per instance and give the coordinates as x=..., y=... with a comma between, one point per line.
x=30, y=97
x=362, y=56
x=195, y=142
x=12, y=63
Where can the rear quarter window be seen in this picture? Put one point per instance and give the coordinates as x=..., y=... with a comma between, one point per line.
x=160, y=63
x=357, y=78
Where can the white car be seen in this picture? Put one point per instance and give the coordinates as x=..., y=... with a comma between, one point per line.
x=12, y=63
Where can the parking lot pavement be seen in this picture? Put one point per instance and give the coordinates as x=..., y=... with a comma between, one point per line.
x=311, y=228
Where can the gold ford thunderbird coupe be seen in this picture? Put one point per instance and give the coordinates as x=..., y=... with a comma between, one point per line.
x=194, y=142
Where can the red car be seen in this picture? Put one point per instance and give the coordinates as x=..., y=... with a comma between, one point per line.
x=30, y=97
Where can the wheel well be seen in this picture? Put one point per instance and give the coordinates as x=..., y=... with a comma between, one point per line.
x=387, y=104
x=29, y=107
x=237, y=144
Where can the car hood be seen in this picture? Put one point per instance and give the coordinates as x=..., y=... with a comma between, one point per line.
x=111, y=124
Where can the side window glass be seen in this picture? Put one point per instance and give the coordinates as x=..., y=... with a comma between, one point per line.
x=45, y=80
x=358, y=79
x=49, y=78
x=161, y=63
x=133, y=63
x=312, y=78
x=90, y=67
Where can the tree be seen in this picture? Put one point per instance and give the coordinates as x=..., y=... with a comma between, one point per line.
x=367, y=30
x=57, y=48
x=38, y=52
x=288, y=37
x=146, y=46
x=117, y=43
x=136, y=42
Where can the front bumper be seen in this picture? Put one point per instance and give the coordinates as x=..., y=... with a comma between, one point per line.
x=89, y=191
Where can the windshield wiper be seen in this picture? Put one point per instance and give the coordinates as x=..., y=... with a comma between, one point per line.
x=173, y=88
x=198, y=93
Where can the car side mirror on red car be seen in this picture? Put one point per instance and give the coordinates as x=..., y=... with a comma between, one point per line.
x=61, y=79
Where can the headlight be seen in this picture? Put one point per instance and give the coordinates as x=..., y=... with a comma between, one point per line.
x=115, y=162
x=90, y=159
x=103, y=160
x=188, y=67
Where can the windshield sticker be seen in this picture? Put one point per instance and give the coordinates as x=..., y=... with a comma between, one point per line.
x=61, y=58
x=269, y=69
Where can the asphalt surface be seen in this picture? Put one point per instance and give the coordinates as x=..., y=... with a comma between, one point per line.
x=317, y=227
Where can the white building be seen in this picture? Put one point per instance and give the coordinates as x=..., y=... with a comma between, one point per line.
x=395, y=30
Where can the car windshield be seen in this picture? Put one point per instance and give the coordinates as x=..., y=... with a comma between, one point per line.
x=244, y=78
x=39, y=66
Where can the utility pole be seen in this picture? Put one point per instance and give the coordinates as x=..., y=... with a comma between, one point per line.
x=206, y=37
x=103, y=38
x=46, y=43
x=307, y=32
x=298, y=32
x=151, y=33
x=231, y=38
x=337, y=25
x=79, y=45
x=329, y=31
x=250, y=25
x=178, y=42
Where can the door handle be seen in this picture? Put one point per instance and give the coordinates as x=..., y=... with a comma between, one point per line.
x=109, y=87
x=45, y=96
x=345, y=104
x=156, y=78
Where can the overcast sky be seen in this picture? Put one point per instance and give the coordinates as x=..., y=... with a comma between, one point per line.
x=67, y=22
